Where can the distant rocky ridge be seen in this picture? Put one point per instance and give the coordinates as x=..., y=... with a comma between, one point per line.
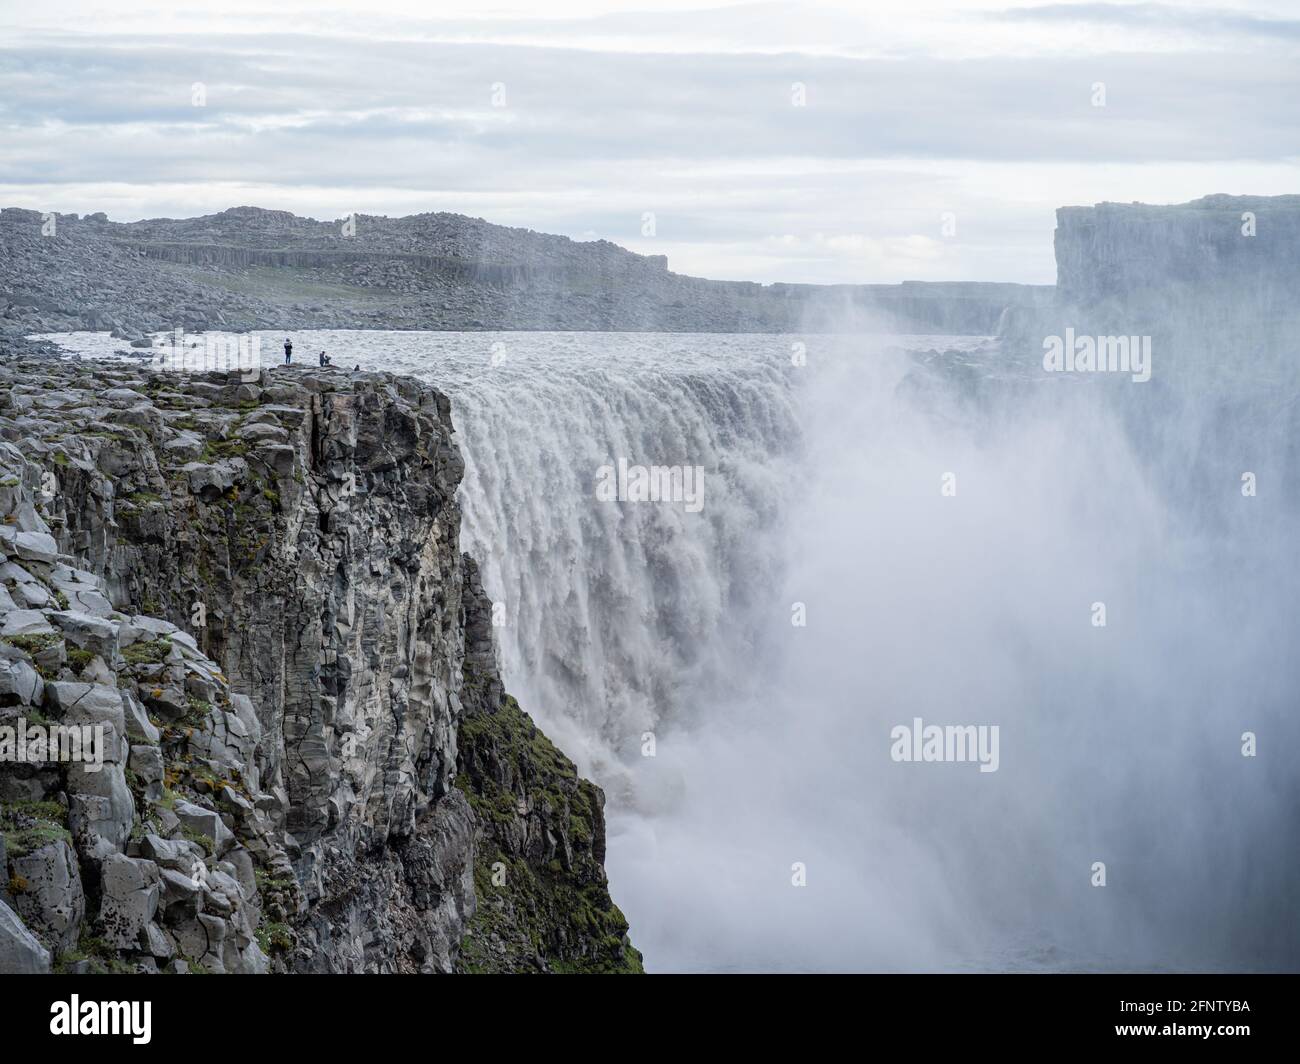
x=248, y=268
x=255, y=585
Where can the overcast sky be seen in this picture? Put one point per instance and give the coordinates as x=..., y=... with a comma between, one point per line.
x=583, y=120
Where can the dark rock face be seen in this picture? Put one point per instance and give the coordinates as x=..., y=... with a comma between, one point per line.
x=285, y=789
x=247, y=268
x=543, y=902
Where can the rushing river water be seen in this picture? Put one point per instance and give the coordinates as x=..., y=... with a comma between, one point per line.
x=884, y=529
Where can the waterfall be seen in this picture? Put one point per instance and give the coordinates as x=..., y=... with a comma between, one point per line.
x=890, y=539
x=622, y=619
x=1121, y=743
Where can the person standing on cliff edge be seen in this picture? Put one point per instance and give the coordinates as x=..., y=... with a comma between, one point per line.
x=288, y=350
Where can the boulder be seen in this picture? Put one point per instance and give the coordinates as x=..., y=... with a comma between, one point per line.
x=122, y=395
x=182, y=894
x=157, y=943
x=25, y=622
x=36, y=547
x=87, y=703
x=32, y=596
x=82, y=590
x=130, y=900
x=147, y=763
x=20, y=952
x=101, y=823
x=263, y=432
x=185, y=446
x=88, y=632
x=51, y=898
x=207, y=823
x=138, y=725
x=178, y=855
x=20, y=683
x=210, y=482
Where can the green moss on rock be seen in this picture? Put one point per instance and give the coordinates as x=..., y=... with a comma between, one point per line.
x=543, y=901
x=148, y=652
x=29, y=826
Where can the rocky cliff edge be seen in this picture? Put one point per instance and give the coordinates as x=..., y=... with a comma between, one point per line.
x=252, y=586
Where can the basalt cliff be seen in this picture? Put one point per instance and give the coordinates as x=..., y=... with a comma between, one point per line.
x=251, y=588
x=1212, y=281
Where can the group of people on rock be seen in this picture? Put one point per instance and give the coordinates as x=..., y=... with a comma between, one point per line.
x=324, y=359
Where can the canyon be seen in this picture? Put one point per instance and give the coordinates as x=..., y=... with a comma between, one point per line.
x=327, y=774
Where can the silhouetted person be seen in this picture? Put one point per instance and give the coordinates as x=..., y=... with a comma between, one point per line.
x=356, y=368
x=288, y=350
x=323, y=360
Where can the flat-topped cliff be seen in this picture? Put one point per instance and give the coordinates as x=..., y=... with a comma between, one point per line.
x=1212, y=282
x=1129, y=251
x=248, y=268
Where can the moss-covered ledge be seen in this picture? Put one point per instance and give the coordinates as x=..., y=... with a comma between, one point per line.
x=543, y=901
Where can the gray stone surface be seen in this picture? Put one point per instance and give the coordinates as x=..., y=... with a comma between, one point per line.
x=20, y=952
x=19, y=680
x=130, y=900
x=205, y=822
x=278, y=666
x=50, y=898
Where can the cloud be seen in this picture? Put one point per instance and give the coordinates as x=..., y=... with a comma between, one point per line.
x=712, y=142
x=1164, y=18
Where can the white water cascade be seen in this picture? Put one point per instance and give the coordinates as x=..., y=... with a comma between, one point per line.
x=1120, y=745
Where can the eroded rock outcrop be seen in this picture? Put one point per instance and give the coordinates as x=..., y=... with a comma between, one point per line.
x=129, y=776
x=253, y=584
